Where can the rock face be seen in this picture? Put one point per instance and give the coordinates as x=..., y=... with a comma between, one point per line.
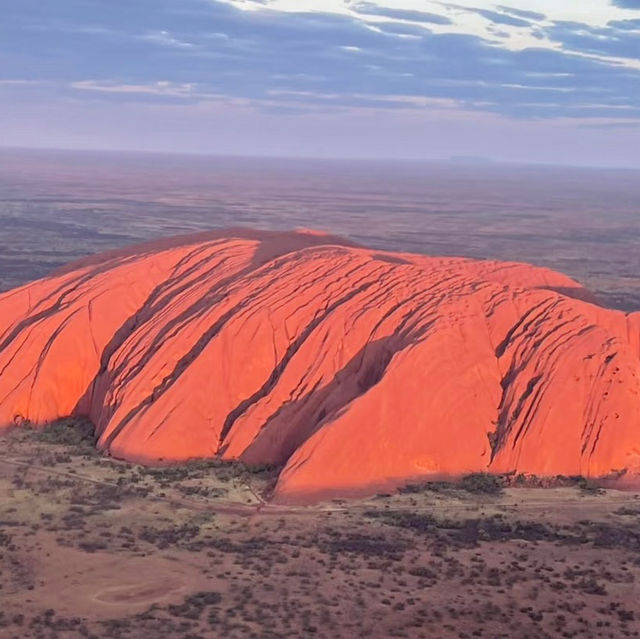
x=354, y=369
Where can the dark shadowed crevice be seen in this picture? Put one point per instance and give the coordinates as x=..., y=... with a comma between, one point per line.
x=282, y=364
x=294, y=422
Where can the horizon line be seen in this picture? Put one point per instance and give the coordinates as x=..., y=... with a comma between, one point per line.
x=461, y=160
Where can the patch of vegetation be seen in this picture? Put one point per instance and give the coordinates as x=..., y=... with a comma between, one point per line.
x=225, y=470
x=359, y=544
x=66, y=432
x=483, y=483
x=428, y=486
x=587, y=485
x=476, y=483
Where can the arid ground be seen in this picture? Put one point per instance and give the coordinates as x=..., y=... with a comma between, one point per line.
x=92, y=547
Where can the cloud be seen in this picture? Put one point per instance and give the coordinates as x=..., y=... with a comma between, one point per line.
x=625, y=25
x=529, y=15
x=494, y=16
x=192, y=50
x=503, y=18
x=366, y=101
x=605, y=41
x=163, y=88
x=400, y=28
x=627, y=4
x=165, y=39
x=17, y=83
x=368, y=8
x=612, y=125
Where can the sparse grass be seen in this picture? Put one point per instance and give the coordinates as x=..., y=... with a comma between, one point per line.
x=454, y=560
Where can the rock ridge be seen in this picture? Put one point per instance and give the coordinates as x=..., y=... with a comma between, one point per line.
x=352, y=369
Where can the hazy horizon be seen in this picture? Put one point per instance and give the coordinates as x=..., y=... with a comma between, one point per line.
x=463, y=160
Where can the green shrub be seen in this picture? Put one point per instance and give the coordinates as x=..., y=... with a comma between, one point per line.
x=482, y=483
x=67, y=432
x=587, y=485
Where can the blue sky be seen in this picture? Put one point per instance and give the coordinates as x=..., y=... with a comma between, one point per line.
x=535, y=80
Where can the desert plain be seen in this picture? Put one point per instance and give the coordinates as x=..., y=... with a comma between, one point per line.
x=95, y=547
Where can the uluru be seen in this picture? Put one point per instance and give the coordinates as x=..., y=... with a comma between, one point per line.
x=351, y=369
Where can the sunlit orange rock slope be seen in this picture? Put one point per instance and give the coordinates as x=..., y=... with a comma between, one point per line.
x=351, y=368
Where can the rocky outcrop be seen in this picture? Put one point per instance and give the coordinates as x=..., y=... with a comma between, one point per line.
x=351, y=368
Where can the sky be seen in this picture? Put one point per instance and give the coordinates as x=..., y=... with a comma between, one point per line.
x=540, y=81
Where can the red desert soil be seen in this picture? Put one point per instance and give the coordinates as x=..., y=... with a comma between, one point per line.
x=107, y=585
x=351, y=368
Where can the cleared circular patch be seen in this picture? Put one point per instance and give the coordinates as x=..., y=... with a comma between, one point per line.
x=146, y=592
